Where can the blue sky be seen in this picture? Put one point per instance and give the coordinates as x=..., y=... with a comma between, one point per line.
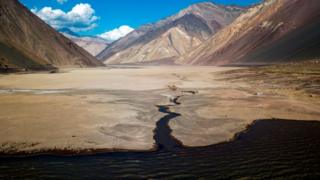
x=110, y=14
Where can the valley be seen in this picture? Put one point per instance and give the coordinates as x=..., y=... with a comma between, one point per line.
x=162, y=90
x=116, y=108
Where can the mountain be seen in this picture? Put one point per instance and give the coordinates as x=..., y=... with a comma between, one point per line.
x=94, y=45
x=28, y=42
x=171, y=37
x=273, y=32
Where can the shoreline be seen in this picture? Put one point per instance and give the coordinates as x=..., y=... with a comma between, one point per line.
x=155, y=149
x=269, y=149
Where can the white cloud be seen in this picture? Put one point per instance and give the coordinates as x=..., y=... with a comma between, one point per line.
x=61, y=1
x=80, y=18
x=117, y=33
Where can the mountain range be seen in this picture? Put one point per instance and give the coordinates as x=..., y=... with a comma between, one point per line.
x=93, y=44
x=274, y=31
x=172, y=36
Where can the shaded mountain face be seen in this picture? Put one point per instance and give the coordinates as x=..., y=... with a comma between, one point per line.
x=171, y=37
x=28, y=42
x=273, y=32
x=94, y=45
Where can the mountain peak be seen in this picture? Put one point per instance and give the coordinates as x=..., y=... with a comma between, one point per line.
x=203, y=6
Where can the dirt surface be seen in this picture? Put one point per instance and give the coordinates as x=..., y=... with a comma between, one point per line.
x=289, y=91
x=116, y=108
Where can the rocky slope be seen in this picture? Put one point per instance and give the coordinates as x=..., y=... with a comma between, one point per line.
x=28, y=42
x=94, y=45
x=171, y=37
x=272, y=32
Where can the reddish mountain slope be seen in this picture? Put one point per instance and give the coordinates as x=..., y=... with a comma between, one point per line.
x=272, y=32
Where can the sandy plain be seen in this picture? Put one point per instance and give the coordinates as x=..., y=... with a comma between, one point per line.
x=84, y=110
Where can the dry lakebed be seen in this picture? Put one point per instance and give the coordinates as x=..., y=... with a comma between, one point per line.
x=118, y=108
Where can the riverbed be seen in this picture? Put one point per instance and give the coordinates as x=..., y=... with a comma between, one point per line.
x=157, y=123
x=83, y=111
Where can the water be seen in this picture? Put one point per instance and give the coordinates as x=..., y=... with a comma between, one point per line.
x=163, y=138
x=269, y=149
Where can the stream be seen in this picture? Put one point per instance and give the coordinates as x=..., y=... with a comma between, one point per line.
x=162, y=134
x=163, y=138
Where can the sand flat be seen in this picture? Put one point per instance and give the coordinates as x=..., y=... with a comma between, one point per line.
x=83, y=121
x=115, y=108
x=138, y=78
